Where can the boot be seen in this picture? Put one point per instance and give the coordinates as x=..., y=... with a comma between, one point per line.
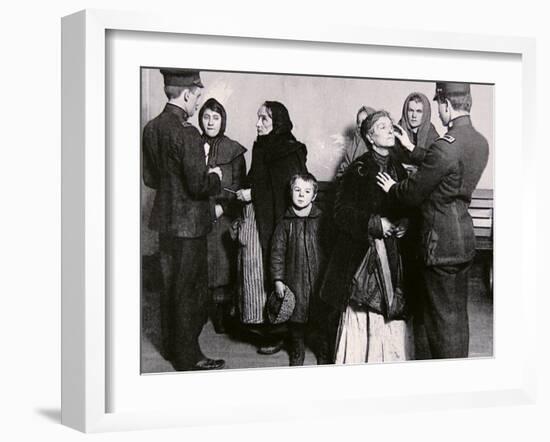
x=296, y=352
x=323, y=354
x=219, y=319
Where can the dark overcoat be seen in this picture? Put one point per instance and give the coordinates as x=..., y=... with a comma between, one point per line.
x=174, y=164
x=222, y=249
x=275, y=159
x=358, y=207
x=443, y=188
x=297, y=258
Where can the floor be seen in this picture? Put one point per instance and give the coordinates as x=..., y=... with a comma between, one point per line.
x=239, y=349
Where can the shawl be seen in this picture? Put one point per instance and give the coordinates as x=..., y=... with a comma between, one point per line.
x=278, y=143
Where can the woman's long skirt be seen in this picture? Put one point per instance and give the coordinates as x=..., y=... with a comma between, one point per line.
x=251, y=292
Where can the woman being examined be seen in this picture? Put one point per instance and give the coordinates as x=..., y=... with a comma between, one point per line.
x=228, y=155
x=276, y=157
x=357, y=146
x=363, y=282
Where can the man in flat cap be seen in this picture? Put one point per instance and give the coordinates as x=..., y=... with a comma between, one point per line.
x=174, y=164
x=442, y=187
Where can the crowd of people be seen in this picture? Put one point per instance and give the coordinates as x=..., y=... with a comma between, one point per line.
x=386, y=269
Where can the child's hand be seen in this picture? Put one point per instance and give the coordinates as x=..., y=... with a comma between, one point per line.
x=280, y=289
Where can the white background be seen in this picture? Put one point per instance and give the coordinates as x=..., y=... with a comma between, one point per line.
x=30, y=283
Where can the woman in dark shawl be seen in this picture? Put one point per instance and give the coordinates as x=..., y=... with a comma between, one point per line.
x=276, y=157
x=228, y=155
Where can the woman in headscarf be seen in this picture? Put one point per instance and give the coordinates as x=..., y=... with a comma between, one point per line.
x=363, y=282
x=276, y=157
x=415, y=131
x=414, y=135
x=228, y=155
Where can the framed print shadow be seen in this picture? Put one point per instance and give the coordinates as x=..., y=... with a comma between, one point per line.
x=336, y=201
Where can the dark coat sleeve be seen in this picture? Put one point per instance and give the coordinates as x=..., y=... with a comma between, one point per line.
x=358, y=220
x=150, y=158
x=228, y=200
x=192, y=164
x=278, y=253
x=415, y=189
x=417, y=155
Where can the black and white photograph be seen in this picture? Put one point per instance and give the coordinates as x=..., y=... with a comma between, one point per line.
x=302, y=220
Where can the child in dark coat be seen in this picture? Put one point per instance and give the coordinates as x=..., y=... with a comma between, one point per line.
x=296, y=263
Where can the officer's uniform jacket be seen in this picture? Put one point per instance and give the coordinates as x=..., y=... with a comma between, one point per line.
x=443, y=187
x=174, y=164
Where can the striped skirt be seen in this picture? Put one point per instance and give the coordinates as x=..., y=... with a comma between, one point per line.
x=251, y=290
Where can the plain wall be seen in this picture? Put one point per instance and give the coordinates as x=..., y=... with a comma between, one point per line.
x=322, y=109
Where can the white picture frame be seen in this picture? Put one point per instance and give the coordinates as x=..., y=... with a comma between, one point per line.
x=86, y=214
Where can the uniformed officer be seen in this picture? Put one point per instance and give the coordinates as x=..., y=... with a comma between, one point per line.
x=443, y=188
x=174, y=164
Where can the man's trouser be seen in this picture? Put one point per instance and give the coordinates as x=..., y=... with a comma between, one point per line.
x=183, y=299
x=445, y=309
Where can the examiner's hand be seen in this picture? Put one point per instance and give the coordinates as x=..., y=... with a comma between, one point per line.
x=219, y=210
x=384, y=181
x=402, y=136
x=244, y=195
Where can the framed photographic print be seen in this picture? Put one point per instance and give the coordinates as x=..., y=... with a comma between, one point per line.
x=282, y=103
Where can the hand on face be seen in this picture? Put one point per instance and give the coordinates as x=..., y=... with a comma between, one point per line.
x=403, y=138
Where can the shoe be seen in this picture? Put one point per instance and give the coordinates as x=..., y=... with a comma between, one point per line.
x=209, y=364
x=271, y=349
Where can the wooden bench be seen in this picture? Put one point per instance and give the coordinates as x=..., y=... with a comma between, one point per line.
x=481, y=211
